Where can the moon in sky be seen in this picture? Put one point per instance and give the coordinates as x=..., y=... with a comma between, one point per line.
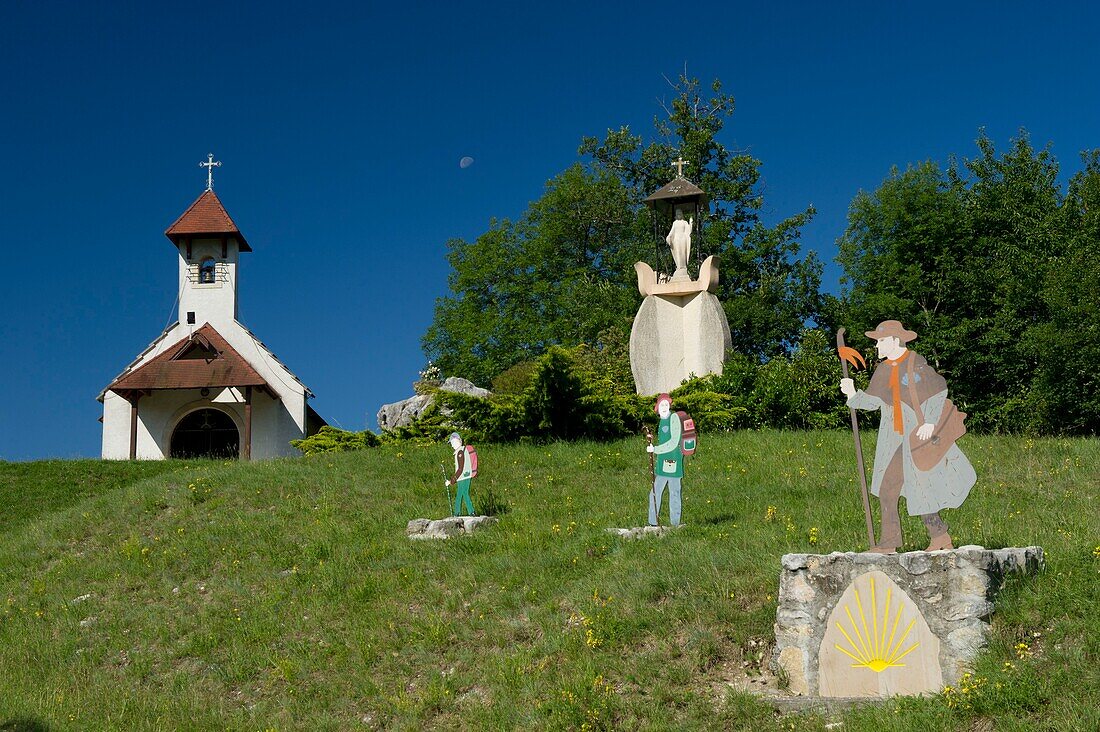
x=465, y=162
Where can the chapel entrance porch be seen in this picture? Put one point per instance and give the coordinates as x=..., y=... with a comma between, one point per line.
x=205, y=433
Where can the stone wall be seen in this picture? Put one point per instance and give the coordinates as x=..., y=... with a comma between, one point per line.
x=950, y=594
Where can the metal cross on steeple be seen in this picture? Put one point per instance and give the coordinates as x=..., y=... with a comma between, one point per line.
x=679, y=164
x=210, y=164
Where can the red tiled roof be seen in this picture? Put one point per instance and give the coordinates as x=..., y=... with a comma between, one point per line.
x=206, y=215
x=166, y=372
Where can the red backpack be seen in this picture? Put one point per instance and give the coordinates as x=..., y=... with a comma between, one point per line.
x=688, y=436
x=472, y=453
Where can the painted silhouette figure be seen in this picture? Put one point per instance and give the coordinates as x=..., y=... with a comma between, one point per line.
x=916, y=455
x=669, y=467
x=464, y=475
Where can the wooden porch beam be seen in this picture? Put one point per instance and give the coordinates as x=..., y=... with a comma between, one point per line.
x=246, y=443
x=133, y=398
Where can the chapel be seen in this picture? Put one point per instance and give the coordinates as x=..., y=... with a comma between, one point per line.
x=206, y=387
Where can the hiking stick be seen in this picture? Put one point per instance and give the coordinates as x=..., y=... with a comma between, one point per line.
x=850, y=354
x=652, y=477
x=446, y=478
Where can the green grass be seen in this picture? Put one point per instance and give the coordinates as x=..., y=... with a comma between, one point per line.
x=284, y=595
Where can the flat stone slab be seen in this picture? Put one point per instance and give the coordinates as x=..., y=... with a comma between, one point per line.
x=837, y=627
x=447, y=528
x=643, y=532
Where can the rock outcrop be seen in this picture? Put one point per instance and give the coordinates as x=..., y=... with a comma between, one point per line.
x=406, y=411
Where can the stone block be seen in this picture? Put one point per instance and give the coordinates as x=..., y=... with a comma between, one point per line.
x=941, y=602
x=793, y=662
x=643, y=532
x=447, y=528
x=406, y=411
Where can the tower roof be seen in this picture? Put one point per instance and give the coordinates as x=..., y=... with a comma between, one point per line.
x=206, y=217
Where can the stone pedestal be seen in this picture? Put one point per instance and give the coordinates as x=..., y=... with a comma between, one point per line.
x=643, y=532
x=680, y=330
x=871, y=625
x=447, y=528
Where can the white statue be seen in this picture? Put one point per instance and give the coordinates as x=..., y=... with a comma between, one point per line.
x=679, y=241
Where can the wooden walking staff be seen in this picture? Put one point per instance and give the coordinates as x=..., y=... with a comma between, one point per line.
x=848, y=354
x=652, y=477
x=446, y=485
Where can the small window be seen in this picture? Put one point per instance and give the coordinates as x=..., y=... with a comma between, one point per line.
x=206, y=271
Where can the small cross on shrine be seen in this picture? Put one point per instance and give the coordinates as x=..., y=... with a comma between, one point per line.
x=210, y=164
x=679, y=164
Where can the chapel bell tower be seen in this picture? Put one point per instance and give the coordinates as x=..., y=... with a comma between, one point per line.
x=209, y=245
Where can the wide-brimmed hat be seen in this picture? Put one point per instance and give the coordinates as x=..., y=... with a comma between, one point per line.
x=888, y=328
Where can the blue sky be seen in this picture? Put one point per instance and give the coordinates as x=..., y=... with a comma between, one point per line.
x=341, y=128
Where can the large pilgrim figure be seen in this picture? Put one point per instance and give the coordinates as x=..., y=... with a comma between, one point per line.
x=913, y=401
x=206, y=387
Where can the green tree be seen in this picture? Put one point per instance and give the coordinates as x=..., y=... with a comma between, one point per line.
x=1066, y=348
x=908, y=255
x=768, y=291
x=562, y=274
x=977, y=259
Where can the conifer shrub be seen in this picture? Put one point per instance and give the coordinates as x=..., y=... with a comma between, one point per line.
x=333, y=439
x=515, y=379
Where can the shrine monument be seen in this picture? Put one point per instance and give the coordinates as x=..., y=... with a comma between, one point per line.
x=680, y=329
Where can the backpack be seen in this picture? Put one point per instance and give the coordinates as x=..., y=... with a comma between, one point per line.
x=471, y=456
x=688, y=436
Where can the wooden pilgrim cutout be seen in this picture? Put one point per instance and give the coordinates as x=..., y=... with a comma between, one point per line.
x=916, y=455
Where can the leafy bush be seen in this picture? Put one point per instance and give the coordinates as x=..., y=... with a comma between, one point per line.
x=498, y=418
x=562, y=400
x=561, y=403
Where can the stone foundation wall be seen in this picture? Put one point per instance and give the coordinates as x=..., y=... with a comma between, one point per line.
x=953, y=590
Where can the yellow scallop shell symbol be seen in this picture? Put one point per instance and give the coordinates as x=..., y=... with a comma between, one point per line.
x=877, y=646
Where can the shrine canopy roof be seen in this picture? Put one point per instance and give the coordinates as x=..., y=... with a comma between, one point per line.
x=202, y=360
x=677, y=190
x=206, y=217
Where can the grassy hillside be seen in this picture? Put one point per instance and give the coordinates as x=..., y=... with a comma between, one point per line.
x=284, y=595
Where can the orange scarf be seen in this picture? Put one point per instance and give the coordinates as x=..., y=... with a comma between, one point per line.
x=895, y=390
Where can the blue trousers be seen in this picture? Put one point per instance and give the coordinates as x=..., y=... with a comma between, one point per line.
x=657, y=496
